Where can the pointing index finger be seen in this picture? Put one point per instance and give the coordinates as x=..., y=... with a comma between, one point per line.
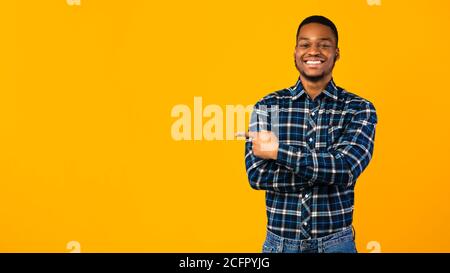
x=247, y=134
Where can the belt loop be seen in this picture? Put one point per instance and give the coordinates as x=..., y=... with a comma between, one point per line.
x=281, y=246
x=320, y=245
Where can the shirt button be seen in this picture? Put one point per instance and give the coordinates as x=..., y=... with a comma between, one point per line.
x=305, y=224
x=306, y=195
x=310, y=139
x=313, y=114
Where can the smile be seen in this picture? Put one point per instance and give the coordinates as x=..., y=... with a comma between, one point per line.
x=314, y=62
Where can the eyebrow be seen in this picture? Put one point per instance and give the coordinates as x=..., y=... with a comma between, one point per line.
x=323, y=39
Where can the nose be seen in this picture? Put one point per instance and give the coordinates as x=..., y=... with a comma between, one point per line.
x=313, y=50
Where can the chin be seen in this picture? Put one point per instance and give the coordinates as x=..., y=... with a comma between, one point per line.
x=314, y=75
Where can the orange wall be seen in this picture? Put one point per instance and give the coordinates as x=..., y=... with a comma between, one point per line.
x=86, y=94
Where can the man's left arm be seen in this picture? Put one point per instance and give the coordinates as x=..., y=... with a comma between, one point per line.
x=345, y=160
x=342, y=163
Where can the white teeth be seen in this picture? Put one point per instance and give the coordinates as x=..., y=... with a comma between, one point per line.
x=313, y=62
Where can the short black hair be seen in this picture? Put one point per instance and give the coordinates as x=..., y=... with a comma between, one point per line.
x=320, y=20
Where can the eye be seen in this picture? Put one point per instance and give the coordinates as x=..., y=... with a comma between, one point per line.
x=303, y=45
x=325, y=46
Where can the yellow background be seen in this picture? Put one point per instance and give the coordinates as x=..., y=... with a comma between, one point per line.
x=86, y=152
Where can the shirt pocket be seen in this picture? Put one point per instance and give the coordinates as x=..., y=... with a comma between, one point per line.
x=334, y=133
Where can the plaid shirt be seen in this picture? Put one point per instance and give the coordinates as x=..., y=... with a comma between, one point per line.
x=324, y=145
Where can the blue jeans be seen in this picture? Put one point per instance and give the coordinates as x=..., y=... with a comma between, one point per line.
x=339, y=242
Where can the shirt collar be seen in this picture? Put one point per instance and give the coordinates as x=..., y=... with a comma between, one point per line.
x=330, y=90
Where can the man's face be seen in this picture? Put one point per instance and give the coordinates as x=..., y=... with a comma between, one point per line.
x=316, y=51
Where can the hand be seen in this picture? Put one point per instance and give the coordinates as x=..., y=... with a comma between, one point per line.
x=265, y=144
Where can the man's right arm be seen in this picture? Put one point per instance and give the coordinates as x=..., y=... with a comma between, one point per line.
x=266, y=174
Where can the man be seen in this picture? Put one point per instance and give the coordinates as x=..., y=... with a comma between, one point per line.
x=306, y=147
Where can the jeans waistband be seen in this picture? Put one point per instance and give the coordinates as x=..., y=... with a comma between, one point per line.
x=345, y=234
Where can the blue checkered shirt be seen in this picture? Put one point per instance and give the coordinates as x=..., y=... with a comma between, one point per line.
x=324, y=145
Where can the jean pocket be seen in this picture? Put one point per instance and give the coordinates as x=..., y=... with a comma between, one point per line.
x=268, y=248
x=347, y=246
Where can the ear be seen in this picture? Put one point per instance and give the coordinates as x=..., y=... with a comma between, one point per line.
x=338, y=54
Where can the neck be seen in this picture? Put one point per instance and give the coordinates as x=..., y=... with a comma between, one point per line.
x=314, y=88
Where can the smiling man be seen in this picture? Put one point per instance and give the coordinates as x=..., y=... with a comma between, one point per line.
x=306, y=147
